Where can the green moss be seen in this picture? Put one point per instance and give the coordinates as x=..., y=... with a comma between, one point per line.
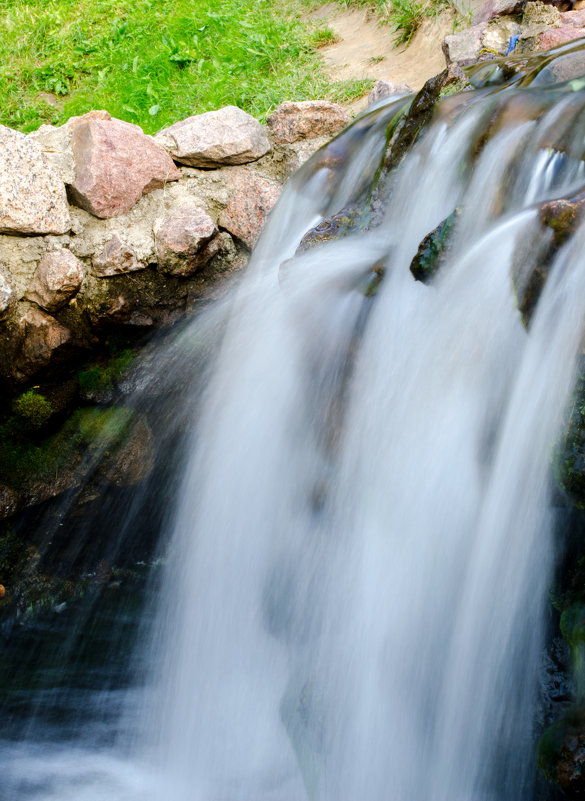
x=102, y=376
x=33, y=407
x=89, y=431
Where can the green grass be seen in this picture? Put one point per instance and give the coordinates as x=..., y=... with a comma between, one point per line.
x=404, y=16
x=154, y=62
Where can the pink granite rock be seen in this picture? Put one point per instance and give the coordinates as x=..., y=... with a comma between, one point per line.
x=384, y=89
x=40, y=337
x=56, y=280
x=252, y=199
x=574, y=18
x=115, y=164
x=182, y=239
x=558, y=36
x=226, y=136
x=32, y=195
x=307, y=119
x=497, y=8
x=116, y=258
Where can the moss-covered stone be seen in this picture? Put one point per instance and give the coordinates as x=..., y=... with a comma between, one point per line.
x=569, y=459
x=433, y=249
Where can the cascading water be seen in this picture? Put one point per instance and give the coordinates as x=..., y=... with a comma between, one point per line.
x=354, y=592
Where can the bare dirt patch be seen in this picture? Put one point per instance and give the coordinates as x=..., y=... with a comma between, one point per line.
x=365, y=47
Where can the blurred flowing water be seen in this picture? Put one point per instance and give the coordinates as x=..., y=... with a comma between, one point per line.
x=359, y=545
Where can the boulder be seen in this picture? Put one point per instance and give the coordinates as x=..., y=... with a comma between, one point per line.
x=115, y=164
x=116, y=258
x=223, y=137
x=32, y=195
x=57, y=279
x=307, y=119
x=464, y=46
x=252, y=199
x=39, y=338
x=387, y=89
x=181, y=240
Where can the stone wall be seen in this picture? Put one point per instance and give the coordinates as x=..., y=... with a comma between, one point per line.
x=102, y=226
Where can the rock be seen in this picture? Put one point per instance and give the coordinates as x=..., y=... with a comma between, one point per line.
x=57, y=279
x=574, y=18
x=116, y=258
x=56, y=147
x=10, y=501
x=497, y=8
x=40, y=337
x=496, y=37
x=307, y=119
x=464, y=46
x=181, y=239
x=32, y=194
x=387, y=89
x=558, y=36
x=537, y=13
x=433, y=249
x=115, y=164
x=253, y=198
x=5, y=294
x=134, y=460
x=216, y=138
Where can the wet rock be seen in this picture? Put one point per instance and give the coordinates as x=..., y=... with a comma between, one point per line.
x=32, y=194
x=307, y=119
x=497, y=8
x=464, y=46
x=115, y=164
x=134, y=460
x=181, y=240
x=6, y=294
x=40, y=337
x=216, y=138
x=334, y=227
x=433, y=249
x=252, y=199
x=57, y=279
x=561, y=753
x=384, y=89
x=117, y=258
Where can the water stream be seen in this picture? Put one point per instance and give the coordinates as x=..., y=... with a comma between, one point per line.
x=360, y=550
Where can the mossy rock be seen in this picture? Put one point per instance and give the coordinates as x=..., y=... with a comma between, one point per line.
x=561, y=753
x=433, y=249
x=569, y=457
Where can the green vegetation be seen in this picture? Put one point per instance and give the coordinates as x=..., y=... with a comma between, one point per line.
x=33, y=407
x=153, y=62
x=405, y=16
x=98, y=377
x=90, y=431
x=569, y=459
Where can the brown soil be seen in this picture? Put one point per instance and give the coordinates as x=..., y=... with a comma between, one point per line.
x=365, y=48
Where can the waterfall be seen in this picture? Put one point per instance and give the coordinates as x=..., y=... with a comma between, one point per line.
x=360, y=552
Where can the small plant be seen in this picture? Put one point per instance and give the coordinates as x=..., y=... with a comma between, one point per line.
x=34, y=407
x=324, y=36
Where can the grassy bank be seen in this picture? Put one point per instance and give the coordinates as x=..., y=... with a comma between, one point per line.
x=156, y=61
